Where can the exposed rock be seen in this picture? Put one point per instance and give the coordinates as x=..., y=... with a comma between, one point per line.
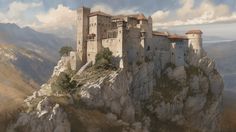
x=46, y=118
x=140, y=99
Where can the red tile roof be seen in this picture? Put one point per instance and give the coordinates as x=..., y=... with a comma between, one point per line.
x=194, y=32
x=99, y=13
x=177, y=37
x=141, y=17
x=165, y=34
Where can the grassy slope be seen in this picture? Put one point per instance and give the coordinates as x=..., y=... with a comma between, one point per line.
x=13, y=88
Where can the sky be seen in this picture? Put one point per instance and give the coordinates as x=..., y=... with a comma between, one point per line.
x=214, y=17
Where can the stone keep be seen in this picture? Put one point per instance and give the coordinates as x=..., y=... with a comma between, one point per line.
x=195, y=42
x=82, y=33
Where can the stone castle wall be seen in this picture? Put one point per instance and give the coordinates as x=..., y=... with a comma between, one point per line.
x=131, y=39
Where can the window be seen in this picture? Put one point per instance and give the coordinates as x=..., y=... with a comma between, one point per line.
x=148, y=48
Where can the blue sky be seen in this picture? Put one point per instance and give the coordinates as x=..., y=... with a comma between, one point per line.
x=214, y=17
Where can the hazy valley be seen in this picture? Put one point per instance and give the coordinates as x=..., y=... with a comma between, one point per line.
x=27, y=58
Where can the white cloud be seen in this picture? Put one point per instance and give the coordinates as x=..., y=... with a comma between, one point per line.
x=109, y=10
x=103, y=8
x=159, y=16
x=60, y=20
x=16, y=12
x=60, y=17
x=206, y=13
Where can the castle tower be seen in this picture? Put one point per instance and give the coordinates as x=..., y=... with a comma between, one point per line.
x=195, y=42
x=150, y=27
x=82, y=33
x=121, y=34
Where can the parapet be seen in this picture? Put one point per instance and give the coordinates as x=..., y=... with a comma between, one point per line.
x=194, y=32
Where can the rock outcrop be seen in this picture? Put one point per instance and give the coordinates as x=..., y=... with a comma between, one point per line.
x=133, y=99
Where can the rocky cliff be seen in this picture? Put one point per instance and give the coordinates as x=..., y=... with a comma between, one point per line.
x=141, y=98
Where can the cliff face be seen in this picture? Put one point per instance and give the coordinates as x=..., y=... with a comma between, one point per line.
x=137, y=99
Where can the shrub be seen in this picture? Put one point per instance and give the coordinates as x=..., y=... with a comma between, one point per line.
x=65, y=50
x=63, y=83
x=104, y=59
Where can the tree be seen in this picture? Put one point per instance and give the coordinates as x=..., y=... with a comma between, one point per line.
x=65, y=50
x=104, y=59
x=64, y=83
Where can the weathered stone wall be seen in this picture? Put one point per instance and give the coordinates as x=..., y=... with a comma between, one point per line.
x=92, y=50
x=82, y=33
x=178, y=53
x=133, y=46
x=161, y=51
x=195, y=43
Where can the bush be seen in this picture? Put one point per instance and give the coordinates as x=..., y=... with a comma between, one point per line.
x=104, y=59
x=65, y=50
x=63, y=83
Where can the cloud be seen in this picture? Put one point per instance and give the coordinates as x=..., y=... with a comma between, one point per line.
x=16, y=12
x=60, y=18
x=109, y=10
x=160, y=16
x=206, y=13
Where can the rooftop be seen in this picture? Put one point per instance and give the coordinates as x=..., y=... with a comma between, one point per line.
x=99, y=13
x=194, y=32
x=177, y=37
x=156, y=33
x=141, y=17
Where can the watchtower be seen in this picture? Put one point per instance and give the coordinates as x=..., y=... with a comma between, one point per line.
x=82, y=33
x=195, y=41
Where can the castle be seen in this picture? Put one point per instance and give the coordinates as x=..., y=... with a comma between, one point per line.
x=131, y=39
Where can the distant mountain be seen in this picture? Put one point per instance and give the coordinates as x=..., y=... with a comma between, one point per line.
x=42, y=43
x=224, y=53
x=16, y=81
x=27, y=58
x=211, y=39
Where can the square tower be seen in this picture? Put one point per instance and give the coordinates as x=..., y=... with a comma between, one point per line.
x=82, y=33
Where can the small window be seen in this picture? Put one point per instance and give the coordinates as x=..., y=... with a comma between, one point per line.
x=148, y=48
x=172, y=53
